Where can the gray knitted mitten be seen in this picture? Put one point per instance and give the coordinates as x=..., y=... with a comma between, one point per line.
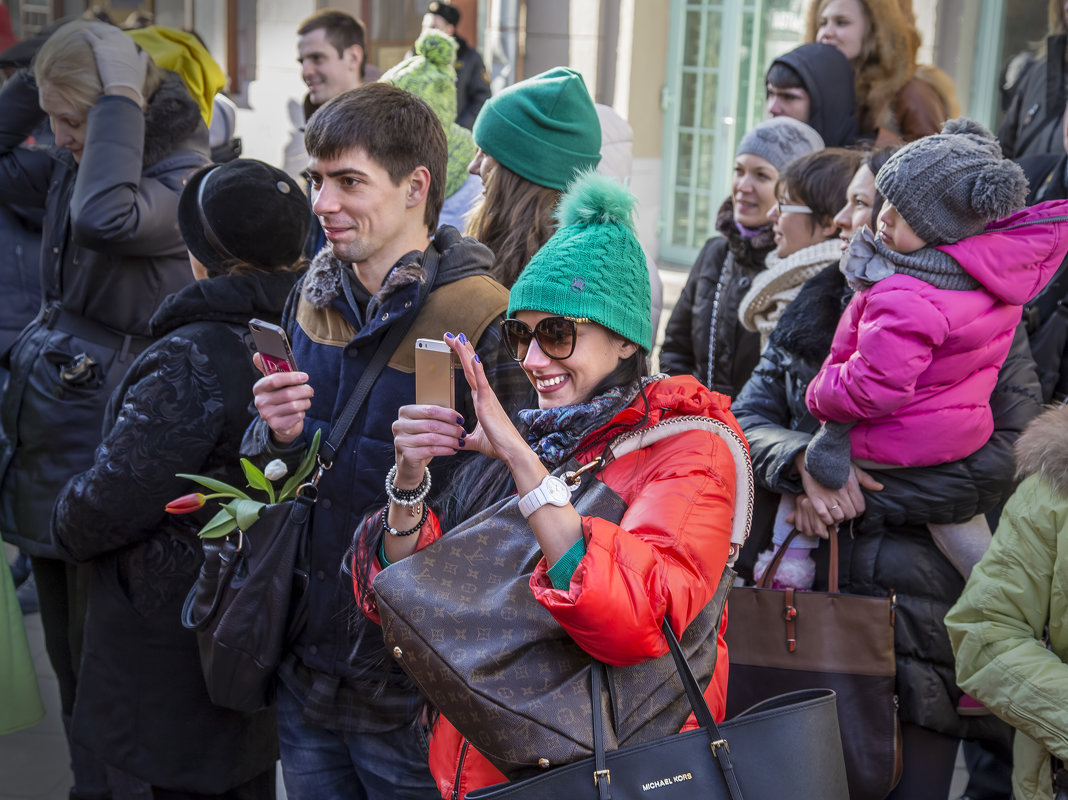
x=827, y=455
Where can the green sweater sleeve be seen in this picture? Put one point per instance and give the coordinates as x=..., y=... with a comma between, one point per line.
x=560, y=573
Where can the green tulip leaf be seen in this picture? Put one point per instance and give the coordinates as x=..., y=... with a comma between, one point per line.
x=246, y=512
x=289, y=489
x=219, y=525
x=216, y=486
x=256, y=479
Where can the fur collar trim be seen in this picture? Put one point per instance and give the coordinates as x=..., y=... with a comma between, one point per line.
x=322, y=285
x=1043, y=448
x=171, y=118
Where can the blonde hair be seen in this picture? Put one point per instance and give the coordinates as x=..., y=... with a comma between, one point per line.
x=887, y=59
x=514, y=220
x=66, y=64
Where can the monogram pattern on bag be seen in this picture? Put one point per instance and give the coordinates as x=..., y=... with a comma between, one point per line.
x=500, y=668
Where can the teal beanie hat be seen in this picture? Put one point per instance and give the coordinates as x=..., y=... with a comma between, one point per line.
x=593, y=266
x=544, y=129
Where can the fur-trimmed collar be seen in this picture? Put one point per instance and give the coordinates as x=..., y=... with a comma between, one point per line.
x=807, y=326
x=322, y=284
x=171, y=118
x=1043, y=448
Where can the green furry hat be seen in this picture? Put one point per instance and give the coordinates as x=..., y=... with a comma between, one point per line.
x=431, y=76
x=593, y=266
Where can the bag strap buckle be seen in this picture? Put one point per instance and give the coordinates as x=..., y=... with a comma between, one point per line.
x=602, y=773
x=718, y=743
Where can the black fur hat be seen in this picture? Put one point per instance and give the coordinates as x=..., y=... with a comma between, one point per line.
x=244, y=211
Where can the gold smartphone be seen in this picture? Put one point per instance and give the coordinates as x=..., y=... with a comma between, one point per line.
x=435, y=382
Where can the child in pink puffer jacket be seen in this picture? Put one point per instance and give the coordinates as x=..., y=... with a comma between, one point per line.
x=940, y=292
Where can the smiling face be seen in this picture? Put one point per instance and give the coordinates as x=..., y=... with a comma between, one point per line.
x=856, y=213
x=361, y=210
x=843, y=24
x=68, y=123
x=326, y=72
x=572, y=380
x=794, y=230
x=897, y=234
x=753, y=189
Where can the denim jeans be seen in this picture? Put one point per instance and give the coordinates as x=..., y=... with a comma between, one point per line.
x=321, y=764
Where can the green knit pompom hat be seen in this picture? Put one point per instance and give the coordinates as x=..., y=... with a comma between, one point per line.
x=544, y=129
x=431, y=76
x=593, y=266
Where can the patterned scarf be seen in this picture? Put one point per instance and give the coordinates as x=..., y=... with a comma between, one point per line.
x=556, y=433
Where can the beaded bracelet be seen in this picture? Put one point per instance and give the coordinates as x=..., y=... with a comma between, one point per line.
x=407, y=497
x=410, y=531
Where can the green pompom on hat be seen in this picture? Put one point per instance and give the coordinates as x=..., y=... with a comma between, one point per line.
x=544, y=129
x=430, y=75
x=593, y=266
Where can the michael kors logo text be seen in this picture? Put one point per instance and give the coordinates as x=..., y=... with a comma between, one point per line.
x=665, y=782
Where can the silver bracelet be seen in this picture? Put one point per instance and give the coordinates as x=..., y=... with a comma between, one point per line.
x=407, y=497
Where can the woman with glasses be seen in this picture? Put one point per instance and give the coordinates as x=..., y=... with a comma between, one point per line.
x=704, y=337
x=579, y=327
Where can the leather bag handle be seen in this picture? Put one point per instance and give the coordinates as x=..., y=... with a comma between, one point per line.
x=773, y=567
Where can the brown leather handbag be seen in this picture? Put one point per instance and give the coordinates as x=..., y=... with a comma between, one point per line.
x=785, y=640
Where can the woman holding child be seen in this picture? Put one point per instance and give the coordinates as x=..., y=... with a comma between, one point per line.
x=888, y=545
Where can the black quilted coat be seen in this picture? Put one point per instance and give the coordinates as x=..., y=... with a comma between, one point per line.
x=889, y=547
x=182, y=407
x=704, y=336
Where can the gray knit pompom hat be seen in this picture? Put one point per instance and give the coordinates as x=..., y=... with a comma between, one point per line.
x=780, y=140
x=950, y=185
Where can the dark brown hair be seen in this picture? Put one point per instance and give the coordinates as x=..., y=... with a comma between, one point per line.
x=819, y=180
x=394, y=127
x=342, y=31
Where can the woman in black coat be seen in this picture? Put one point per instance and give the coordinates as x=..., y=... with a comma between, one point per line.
x=882, y=517
x=182, y=408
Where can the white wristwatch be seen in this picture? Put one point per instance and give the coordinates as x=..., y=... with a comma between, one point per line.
x=552, y=490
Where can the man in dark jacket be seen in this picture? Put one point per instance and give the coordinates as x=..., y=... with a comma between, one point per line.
x=813, y=83
x=1032, y=123
x=472, y=82
x=378, y=157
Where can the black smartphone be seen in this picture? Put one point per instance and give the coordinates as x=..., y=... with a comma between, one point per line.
x=434, y=376
x=273, y=346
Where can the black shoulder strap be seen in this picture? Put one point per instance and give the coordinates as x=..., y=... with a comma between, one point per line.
x=396, y=335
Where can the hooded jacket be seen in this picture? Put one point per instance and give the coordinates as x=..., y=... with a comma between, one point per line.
x=1017, y=596
x=333, y=339
x=889, y=548
x=111, y=252
x=704, y=336
x=909, y=358
x=664, y=558
x=827, y=76
x=142, y=703
x=1032, y=124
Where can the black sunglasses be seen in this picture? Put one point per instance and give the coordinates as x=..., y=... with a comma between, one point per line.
x=555, y=335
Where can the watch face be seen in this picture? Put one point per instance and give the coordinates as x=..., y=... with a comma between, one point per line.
x=556, y=491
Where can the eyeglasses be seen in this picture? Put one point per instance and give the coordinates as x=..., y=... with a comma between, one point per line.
x=788, y=208
x=555, y=335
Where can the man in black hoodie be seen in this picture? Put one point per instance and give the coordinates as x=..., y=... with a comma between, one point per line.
x=813, y=83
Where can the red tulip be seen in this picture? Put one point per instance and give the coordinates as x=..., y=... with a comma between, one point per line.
x=186, y=504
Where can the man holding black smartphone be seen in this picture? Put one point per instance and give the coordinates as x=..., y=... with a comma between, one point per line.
x=378, y=156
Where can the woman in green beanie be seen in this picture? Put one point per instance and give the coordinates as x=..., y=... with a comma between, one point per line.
x=532, y=137
x=579, y=326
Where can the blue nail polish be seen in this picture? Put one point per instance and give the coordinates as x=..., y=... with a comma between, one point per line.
x=448, y=335
x=459, y=420
x=477, y=359
x=463, y=339
x=461, y=441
